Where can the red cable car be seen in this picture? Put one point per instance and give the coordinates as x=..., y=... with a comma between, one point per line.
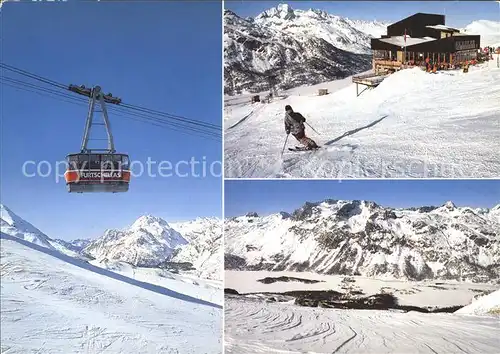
x=97, y=170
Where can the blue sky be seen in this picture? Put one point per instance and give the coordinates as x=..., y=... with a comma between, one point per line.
x=151, y=54
x=458, y=13
x=266, y=197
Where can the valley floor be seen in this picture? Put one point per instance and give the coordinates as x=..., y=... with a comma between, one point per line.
x=428, y=294
x=52, y=303
x=413, y=125
x=253, y=326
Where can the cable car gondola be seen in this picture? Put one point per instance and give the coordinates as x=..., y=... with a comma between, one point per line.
x=97, y=170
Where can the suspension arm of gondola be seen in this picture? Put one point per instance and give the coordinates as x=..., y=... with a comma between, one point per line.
x=86, y=91
x=95, y=95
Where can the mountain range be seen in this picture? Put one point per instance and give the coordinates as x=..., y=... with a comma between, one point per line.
x=149, y=242
x=283, y=47
x=363, y=238
x=288, y=48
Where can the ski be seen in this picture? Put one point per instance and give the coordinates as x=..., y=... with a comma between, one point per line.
x=300, y=148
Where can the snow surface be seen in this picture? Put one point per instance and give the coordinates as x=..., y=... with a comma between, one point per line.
x=400, y=40
x=443, y=125
x=252, y=326
x=443, y=27
x=485, y=305
x=55, y=303
x=204, y=289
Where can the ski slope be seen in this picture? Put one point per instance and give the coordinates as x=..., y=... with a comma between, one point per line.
x=204, y=289
x=413, y=124
x=253, y=326
x=53, y=303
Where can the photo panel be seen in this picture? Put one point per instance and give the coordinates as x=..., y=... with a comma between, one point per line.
x=111, y=177
x=318, y=266
x=356, y=89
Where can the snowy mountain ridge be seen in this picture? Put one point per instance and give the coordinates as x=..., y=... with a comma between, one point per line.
x=74, y=245
x=147, y=241
x=204, y=250
x=293, y=47
x=363, y=238
x=13, y=225
x=344, y=33
x=150, y=241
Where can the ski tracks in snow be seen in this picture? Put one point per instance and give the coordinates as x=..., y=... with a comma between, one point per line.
x=434, y=128
x=259, y=327
x=52, y=306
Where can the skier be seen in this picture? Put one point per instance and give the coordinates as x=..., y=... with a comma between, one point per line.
x=294, y=123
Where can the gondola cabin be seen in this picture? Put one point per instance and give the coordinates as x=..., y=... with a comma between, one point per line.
x=94, y=172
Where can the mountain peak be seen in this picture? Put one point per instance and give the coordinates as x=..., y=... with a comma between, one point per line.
x=148, y=241
x=6, y=214
x=147, y=220
x=282, y=11
x=449, y=205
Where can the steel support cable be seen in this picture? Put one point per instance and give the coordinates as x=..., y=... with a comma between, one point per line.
x=123, y=113
x=159, y=120
x=129, y=106
x=33, y=76
x=171, y=116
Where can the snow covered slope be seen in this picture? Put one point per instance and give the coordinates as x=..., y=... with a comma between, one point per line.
x=363, y=238
x=295, y=47
x=488, y=30
x=149, y=241
x=443, y=125
x=204, y=250
x=54, y=303
x=485, y=305
x=203, y=289
x=13, y=225
x=259, y=327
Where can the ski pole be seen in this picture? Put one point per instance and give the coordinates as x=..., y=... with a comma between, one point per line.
x=312, y=128
x=284, y=145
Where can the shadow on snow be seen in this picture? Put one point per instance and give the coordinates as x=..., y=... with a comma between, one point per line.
x=354, y=131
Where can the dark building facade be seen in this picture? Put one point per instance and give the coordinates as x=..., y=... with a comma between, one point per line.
x=422, y=39
x=416, y=25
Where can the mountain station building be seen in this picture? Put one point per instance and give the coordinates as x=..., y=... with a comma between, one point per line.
x=420, y=39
